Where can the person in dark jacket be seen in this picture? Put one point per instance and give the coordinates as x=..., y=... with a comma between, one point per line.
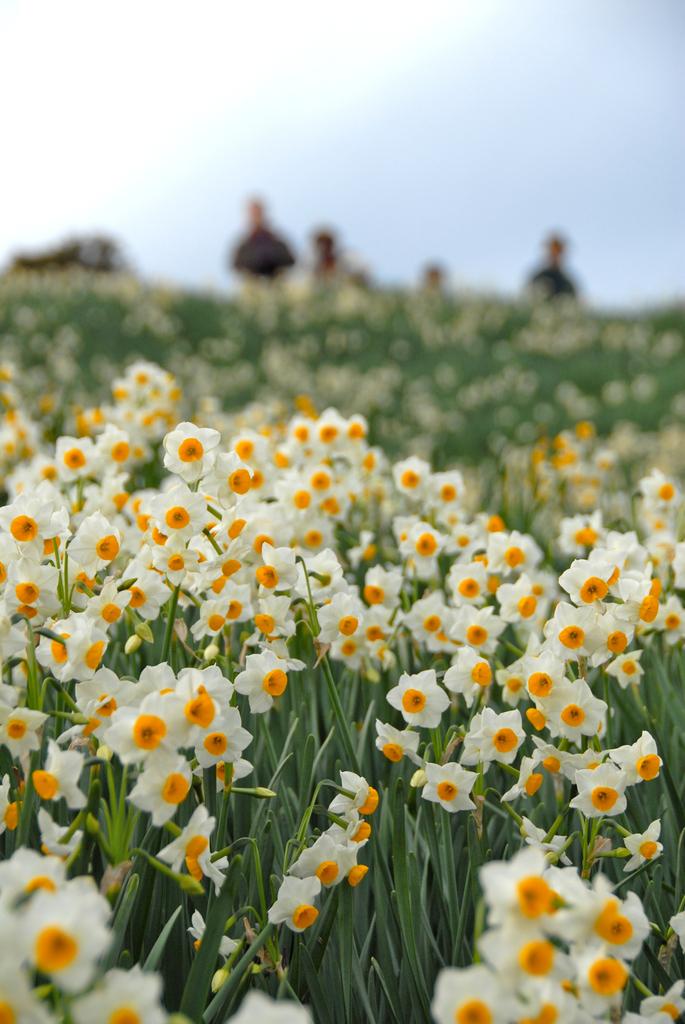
x=327, y=262
x=262, y=253
x=551, y=280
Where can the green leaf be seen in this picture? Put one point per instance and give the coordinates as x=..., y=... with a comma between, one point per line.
x=155, y=954
x=199, y=979
x=122, y=913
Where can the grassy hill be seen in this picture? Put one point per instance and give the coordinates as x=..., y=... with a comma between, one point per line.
x=452, y=379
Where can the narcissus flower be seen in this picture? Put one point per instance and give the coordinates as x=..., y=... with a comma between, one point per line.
x=179, y=512
x=155, y=727
x=572, y=632
x=294, y=904
x=639, y=761
x=359, y=796
x=264, y=678
x=493, y=737
x=75, y=458
x=129, y=997
x=671, y=1003
x=162, y=786
x=59, y=777
x=601, y=791
x=95, y=544
x=395, y=744
x=643, y=846
x=192, y=848
x=626, y=669
x=469, y=675
x=516, y=891
x=19, y=729
x=449, y=785
x=66, y=932
x=18, y=1001
x=601, y=979
x=419, y=699
x=58, y=840
x=469, y=995
x=197, y=928
x=28, y=871
x=327, y=860
x=189, y=451
x=258, y=1006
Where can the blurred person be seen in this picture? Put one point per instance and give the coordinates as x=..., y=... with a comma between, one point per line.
x=551, y=281
x=433, y=279
x=261, y=253
x=328, y=261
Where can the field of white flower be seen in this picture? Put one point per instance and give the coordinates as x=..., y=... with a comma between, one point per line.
x=299, y=721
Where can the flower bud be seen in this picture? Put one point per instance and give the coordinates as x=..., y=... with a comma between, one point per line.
x=220, y=978
x=190, y=885
x=144, y=632
x=418, y=779
x=133, y=644
x=210, y=652
x=92, y=825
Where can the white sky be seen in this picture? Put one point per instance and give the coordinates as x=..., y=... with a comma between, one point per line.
x=460, y=130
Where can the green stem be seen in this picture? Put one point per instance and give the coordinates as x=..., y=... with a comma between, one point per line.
x=173, y=604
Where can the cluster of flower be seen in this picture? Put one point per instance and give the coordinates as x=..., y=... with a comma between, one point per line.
x=556, y=949
x=244, y=547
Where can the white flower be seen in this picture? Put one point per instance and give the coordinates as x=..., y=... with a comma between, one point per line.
x=469, y=994
x=18, y=1000
x=528, y=782
x=449, y=785
x=259, y=1007
x=626, y=669
x=179, y=512
x=75, y=458
x=537, y=838
x=224, y=742
x=397, y=743
x=643, y=846
x=95, y=544
x=19, y=729
x=192, y=848
x=189, y=451
x=588, y=580
x=493, y=737
x=66, y=932
x=572, y=632
x=512, y=552
x=263, y=678
x=639, y=761
x=573, y=711
x=327, y=860
x=469, y=675
x=419, y=698
x=294, y=904
x=135, y=734
x=479, y=628
x=51, y=836
x=279, y=570
x=362, y=797
x=59, y=778
x=161, y=787
x=197, y=930
x=516, y=892
x=601, y=980
x=671, y=1003
x=600, y=791
x=122, y=995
